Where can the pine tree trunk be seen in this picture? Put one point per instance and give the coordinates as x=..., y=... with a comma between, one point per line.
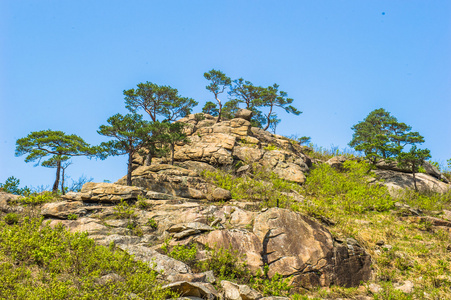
x=220, y=109
x=172, y=154
x=129, y=169
x=62, y=182
x=57, y=180
x=148, y=160
x=414, y=180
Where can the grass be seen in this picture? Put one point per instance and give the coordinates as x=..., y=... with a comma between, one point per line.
x=351, y=207
x=38, y=262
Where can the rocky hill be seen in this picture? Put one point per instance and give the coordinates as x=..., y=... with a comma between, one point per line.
x=173, y=209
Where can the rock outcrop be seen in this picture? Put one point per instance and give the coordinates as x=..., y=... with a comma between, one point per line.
x=396, y=182
x=175, y=181
x=228, y=142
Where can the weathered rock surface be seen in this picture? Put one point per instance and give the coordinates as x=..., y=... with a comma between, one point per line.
x=196, y=289
x=222, y=144
x=398, y=181
x=246, y=243
x=105, y=192
x=294, y=245
x=233, y=291
x=161, y=263
x=175, y=181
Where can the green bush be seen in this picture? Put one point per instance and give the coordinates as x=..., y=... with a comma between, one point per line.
x=349, y=189
x=261, y=186
x=72, y=217
x=11, y=218
x=11, y=186
x=123, y=210
x=274, y=286
x=39, y=262
x=37, y=199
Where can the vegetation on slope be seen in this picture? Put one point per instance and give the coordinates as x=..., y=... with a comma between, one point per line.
x=38, y=262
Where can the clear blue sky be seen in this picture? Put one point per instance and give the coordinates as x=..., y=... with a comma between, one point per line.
x=65, y=64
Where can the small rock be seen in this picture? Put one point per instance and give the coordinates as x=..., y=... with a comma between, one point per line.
x=221, y=194
x=196, y=289
x=380, y=243
x=387, y=247
x=244, y=114
x=185, y=233
x=352, y=242
x=233, y=291
x=109, y=277
x=374, y=288
x=407, y=287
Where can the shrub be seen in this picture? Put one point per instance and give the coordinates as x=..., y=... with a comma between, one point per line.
x=11, y=186
x=11, y=218
x=274, y=286
x=72, y=217
x=39, y=262
x=348, y=189
x=261, y=186
x=152, y=223
x=37, y=199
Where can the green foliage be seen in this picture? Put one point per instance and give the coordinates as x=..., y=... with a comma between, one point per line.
x=37, y=199
x=123, y=210
x=218, y=84
x=11, y=186
x=131, y=134
x=271, y=147
x=40, y=144
x=349, y=189
x=226, y=264
x=142, y=204
x=274, y=286
x=245, y=92
x=158, y=100
x=11, y=218
x=413, y=160
x=211, y=109
x=171, y=134
x=381, y=136
x=261, y=186
x=186, y=254
x=39, y=262
x=271, y=98
x=72, y=217
x=199, y=116
x=152, y=223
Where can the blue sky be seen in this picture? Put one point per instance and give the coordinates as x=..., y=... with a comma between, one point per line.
x=65, y=64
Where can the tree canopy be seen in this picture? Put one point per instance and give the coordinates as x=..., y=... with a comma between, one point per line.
x=413, y=159
x=218, y=84
x=131, y=134
x=158, y=100
x=56, y=144
x=381, y=136
x=271, y=98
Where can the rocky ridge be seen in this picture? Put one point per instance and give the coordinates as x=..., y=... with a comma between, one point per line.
x=176, y=202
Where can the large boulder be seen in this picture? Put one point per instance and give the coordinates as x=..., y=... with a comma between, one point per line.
x=233, y=291
x=244, y=114
x=396, y=182
x=161, y=263
x=294, y=245
x=243, y=241
x=175, y=181
x=105, y=192
x=194, y=289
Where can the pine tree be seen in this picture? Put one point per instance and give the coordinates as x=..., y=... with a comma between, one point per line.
x=131, y=134
x=57, y=144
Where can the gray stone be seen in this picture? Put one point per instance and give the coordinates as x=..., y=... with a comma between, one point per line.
x=244, y=114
